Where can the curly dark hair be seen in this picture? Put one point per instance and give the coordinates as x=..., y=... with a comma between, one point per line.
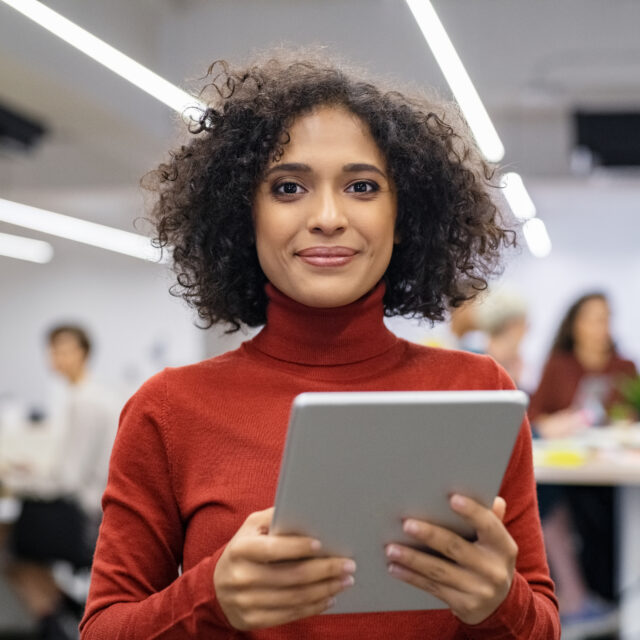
x=451, y=231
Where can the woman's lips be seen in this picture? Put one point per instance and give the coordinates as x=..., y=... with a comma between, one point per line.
x=327, y=256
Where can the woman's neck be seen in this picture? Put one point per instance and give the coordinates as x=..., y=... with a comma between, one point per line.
x=317, y=336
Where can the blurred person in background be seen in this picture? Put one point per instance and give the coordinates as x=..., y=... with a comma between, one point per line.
x=61, y=507
x=577, y=388
x=463, y=323
x=502, y=315
x=461, y=331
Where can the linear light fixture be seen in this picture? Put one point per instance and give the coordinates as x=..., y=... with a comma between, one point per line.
x=538, y=241
x=534, y=230
x=91, y=233
x=484, y=132
x=25, y=248
x=458, y=79
x=108, y=56
x=517, y=196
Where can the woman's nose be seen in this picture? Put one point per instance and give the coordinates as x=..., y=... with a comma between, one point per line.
x=327, y=215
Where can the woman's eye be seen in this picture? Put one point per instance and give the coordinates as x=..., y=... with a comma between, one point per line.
x=288, y=188
x=363, y=187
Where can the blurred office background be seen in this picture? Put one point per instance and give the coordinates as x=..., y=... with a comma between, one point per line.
x=536, y=65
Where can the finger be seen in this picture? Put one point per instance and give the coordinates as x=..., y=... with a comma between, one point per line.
x=417, y=580
x=306, y=571
x=265, y=618
x=466, y=606
x=296, y=597
x=290, y=574
x=499, y=508
x=270, y=548
x=490, y=530
x=446, y=542
x=258, y=521
x=437, y=570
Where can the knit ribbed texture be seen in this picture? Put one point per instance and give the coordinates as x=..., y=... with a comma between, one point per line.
x=199, y=449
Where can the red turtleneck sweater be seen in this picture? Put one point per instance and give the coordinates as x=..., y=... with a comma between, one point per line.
x=199, y=449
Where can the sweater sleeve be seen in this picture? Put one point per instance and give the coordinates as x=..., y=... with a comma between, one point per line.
x=137, y=591
x=530, y=610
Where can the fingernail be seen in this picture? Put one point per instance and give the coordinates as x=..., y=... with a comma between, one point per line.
x=349, y=566
x=393, y=552
x=316, y=545
x=330, y=603
x=410, y=526
x=348, y=581
x=458, y=500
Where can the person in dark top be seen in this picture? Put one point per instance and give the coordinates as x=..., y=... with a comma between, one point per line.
x=577, y=388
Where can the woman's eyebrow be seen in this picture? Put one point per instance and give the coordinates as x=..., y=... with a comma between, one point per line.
x=300, y=167
x=289, y=166
x=356, y=167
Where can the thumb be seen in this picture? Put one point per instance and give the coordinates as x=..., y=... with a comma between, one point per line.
x=258, y=522
x=499, y=507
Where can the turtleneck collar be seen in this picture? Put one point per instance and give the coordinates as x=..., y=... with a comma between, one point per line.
x=300, y=334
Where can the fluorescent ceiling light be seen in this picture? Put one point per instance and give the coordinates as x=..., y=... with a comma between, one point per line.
x=535, y=233
x=517, y=196
x=91, y=233
x=25, y=248
x=107, y=55
x=455, y=74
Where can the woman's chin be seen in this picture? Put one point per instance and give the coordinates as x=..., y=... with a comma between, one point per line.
x=326, y=297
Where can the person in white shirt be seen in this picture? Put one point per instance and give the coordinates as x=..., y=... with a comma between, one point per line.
x=61, y=507
x=87, y=426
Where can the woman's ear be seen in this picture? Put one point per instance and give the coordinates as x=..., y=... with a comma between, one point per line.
x=396, y=237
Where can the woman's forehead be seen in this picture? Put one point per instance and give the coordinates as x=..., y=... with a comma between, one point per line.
x=330, y=131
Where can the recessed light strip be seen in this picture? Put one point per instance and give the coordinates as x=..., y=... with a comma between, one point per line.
x=107, y=55
x=458, y=79
x=25, y=248
x=91, y=233
x=517, y=196
x=538, y=241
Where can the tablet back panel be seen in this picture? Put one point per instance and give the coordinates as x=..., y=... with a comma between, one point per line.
x=357, y=463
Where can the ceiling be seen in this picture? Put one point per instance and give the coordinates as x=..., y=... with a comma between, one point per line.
x=532, y=63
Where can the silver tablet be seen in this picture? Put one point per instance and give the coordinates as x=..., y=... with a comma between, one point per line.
x=356, y=463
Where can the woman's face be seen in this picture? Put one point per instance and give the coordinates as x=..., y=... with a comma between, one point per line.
x=325, y=212
x=591, y=326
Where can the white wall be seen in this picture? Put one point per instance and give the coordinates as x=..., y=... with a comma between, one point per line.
x=137, y=327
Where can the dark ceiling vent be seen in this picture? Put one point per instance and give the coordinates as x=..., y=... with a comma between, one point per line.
x=18, y=131
x=612, y=139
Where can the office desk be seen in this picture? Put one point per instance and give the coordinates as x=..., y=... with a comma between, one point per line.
x=605, y=456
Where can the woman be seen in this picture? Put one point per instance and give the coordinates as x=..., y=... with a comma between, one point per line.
x=313, y=203
x=577, y=387
x=579, y=381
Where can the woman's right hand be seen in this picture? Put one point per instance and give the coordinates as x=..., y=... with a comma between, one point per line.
x=264, y=580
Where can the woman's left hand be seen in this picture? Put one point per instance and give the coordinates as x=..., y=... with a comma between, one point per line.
x=473, y=578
